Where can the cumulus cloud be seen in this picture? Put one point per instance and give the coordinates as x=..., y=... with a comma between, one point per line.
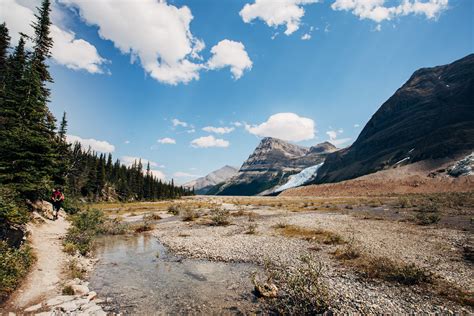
x=377, y=11
x=333, y=137
x=209, y=141
x=237, y=124
x=286, y=126
x=74, y=53
x=177, y=122
x=94, y=144
x=231, y=54
x=276, y=13
x=158, y=174
x=166, y=140
x=130, y=160
x=218, y=130
x=160, y=39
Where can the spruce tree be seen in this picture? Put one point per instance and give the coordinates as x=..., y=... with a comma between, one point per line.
x=4, y=46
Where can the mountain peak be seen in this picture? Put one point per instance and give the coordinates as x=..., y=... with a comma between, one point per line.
x=325, y=147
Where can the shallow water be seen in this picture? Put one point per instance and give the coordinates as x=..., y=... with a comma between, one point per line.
x=139, y=276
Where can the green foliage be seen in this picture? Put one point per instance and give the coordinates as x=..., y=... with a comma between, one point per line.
x=10, y=213
x=85, y=226
x=14, y=265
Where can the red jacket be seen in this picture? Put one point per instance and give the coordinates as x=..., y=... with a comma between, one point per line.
x=57, y=196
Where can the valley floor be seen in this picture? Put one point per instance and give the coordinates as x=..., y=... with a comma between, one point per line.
x=399, y=254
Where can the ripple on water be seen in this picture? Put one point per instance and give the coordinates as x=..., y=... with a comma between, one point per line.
x=139, y=275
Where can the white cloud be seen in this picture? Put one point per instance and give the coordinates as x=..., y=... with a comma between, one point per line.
x=209, y=141
x=286, y=126
x=154, y=32
x=158, y=174
x=68, y=50
x=177, y=122
x=182, y=174
x=356, y=125
x=75, y=53
x=306, y=37
x=276, y=13
x=377, y=11
x=231, y=54
x=130, y=160
x=190, y=131
x=333, y=137
x=126, y=142
x=237, y=124
x=96, y=145
x=218, y=130
x=166, y=140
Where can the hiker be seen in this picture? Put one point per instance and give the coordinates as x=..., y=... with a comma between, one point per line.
x=57, y=199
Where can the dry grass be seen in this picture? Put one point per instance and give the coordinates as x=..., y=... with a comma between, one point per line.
x=74, y=270
x=189, y=215
x=301, y=290
x=220, y=217
x=318, y=235
x=251, y=229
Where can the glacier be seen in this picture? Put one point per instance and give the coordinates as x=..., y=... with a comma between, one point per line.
x=300, y=178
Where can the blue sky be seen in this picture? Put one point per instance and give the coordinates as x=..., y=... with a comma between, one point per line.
x=356, y=57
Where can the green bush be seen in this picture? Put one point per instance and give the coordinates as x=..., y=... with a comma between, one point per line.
x=14, y=265
x=10, y=213
x=85, y=226
x=220, y=217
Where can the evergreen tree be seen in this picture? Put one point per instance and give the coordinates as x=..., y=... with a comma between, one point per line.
x=4, y=46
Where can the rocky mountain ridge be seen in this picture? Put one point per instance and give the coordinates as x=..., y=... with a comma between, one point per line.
x=271, y=164
x=204, y=184
x=431, y=116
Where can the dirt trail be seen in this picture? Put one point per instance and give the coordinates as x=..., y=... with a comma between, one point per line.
x=45, y=275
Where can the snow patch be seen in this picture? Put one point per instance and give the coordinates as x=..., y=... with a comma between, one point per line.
x=300, y=178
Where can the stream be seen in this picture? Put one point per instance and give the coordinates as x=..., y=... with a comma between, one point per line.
x=136, y=274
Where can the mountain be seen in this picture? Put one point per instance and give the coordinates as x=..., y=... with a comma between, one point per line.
x=270, y=165
x=431, y=116
x=203, y=184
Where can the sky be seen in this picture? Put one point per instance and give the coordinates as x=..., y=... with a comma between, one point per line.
x=191, y=86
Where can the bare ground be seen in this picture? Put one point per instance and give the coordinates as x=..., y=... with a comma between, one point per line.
x=46, y=274
x=433, y=248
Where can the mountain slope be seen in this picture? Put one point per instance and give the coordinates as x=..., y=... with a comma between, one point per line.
x=431, y=116
x=270, y=165
x=203, y=184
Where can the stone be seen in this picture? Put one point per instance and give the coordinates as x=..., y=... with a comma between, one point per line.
x=33, y=308
x=59, y=300
x=68, y=306
x=91, y=295
x=80, y=289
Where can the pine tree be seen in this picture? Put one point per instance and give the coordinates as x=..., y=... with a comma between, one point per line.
x=63, y=128
x=4, y=46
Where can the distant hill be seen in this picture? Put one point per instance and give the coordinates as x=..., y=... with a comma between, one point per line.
x=204, y=184
x=431, y=116
x=270, y=165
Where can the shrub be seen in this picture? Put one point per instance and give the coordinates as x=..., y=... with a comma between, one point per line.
x=75, y=270
x=390, y=270
x=220, y=217
x=85, y=226
x=14, y=266
x=189, y=215
x=173, y=209
x=300, y=289
x=11, y=213
x=319, y=235
x=114, y=226
x=69, y=248
x=348, y=252
x=68, y=290
x=424, y=219
x=251, y=229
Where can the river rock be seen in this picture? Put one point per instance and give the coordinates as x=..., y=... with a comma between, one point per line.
x=59, y=300
x=91, y=295
x=80, y=289
x=33, y=308
x=68, y=306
